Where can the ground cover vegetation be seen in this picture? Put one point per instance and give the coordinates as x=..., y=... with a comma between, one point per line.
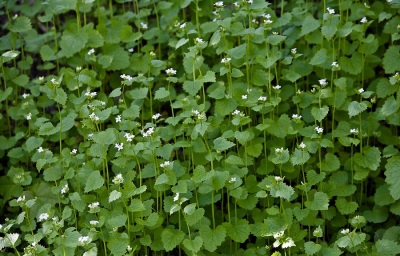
x=196, y=127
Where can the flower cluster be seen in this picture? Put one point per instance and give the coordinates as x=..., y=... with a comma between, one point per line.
x=118, y=179
x=147, y=133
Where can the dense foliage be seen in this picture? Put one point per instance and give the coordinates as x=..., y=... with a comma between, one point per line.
x=194, y=127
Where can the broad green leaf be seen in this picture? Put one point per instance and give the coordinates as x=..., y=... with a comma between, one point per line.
x=171, y=238
x=330, y=163
x=47, y=53
x=221, y=144
x=72, y=42
x=282, y=190
x=212, y=238
x=280, y=157
x=320, y=202
x=33, y=142
x=370, y=158
x=319, y=58
x=115, y=93
x=193, y=245
x=328, y=31
x=94, y=181
x=195, y=217
x=356, y=108
x=351, y=240
x=239, y=231
x=312, y=248
x=106, y=137
x=161, y=94
x=309, y=25
x=61, y=96
x=314, y=178
x=114, y=195
x=351, y=65
x=393, y=176
x=345, y=207
x=319, y=113
x=4, y=94
x=238, y=52
x=192, y=87
x=225, y=107
x=91, y=252
x=391, y=59
x=387, y=247
x=390, y=106
x=9, y=55
x=47, y=129
x=53, y=173
x=384, y=88
x=118, y=244
x=21, y=24
x=299, y=157
x=254, y=150
x=181, y=42
x=120, y=57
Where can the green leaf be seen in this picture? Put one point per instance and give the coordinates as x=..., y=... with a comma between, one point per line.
x=195, y=217
x=61, y=96
x=209, y=77
x=390, y=106
x=192, y=87
x=330, y=163
x=221, y=144
x=351, y=65
x=312, y=248
x=391, y=58
x=118, y=244
x=22, y=24
x=193, y=245
x=161, y=94
x=106, y=137
x=114, y=195
x=72, y=42
x=53, y=173
x=345, y=207
x=237, y=52
x=171, y=238
x=356, y=108
x=215, y=38
x=9, y=55
x=105, y=60
x=314, y=178
x=47, y=53
x=120, y=57
x=254, y=150
x=181, y=42
x=282, y=190
x=320, y=202
x=212, y=238
x=393, y=176
x=299, y=157
x=94, y=181
x=309, y=25
x=239, y=232
x=370, y=158
x=4, y=95
x=33, y=143
x=387, y=247
x=47, y=129
x=115, y=93
x=225, y=107
x=328, y=31
x=319, y=58
x=91, y=252
x=319, y=113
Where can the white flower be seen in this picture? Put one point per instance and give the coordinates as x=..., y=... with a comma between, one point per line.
x=119, y=146
x=232, y=180
x=93, y=205
x=129, y=137
x=165, y=164
x=302, y=145
x=267, y=21
x=278, y=178
x=244, y=97
x=236, y=4
x=335, y=65
x=118, y=179
x=54, y=81
x=296, y=116
x=249, y=1
x=364, y=20
x=276, y=87
x=225, y=60
x=84, y=240
x=354, y=131
x=143, y=25
x=195, y=112
x=236, y=112
x=91, y=51
x=40, y=150
x=330, y=11
x=94, y=117
x=278, y=234
x=361, y=90
x=148, y=133
x=279, y=150
x=126, y=77
x=131, y=50
x=345, y=231
x=118, y=119
x=21, y=199
x=29, y=116
x=288, y=243
x=74, y=151
x=293, y=51
x=182, y=26
x=25, y=95
x=176, y=197
x=94, y=222
x=323, y=82
x=156, y=116
x=199, y=40
x=43, y=216
x=90, y=95
x=262, y=98
x=170, y=71
x=276, y=243
x=318, y=129
x=65, y=189
x=129, y=248
x=41, y=78
x=78, y=68
x=219, y=4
